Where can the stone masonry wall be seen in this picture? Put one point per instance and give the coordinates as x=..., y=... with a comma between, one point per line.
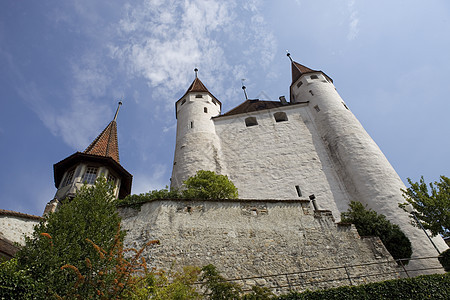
x=246, y=238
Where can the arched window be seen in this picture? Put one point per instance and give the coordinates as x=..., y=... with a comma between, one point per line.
x=280, y=116
x=251, y=121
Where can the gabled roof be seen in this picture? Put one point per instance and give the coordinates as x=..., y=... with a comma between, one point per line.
x=255, y=105
x=298, y=70
x=106, y=143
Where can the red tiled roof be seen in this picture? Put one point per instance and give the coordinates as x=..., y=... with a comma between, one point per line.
x=12, y=213
x=106, y=143
x=299, y=69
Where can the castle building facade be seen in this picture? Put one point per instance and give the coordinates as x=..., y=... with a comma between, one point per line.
x=283, y=150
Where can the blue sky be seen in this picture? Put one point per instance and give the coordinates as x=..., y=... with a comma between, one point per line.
x=65, y=64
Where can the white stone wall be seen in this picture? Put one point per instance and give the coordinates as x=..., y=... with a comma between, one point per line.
x=15, y=228
x=254, y=238
x=268, y=160
x=367, y=174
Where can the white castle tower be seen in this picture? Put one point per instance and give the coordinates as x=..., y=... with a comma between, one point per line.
x=290, y=150
x=197, y=145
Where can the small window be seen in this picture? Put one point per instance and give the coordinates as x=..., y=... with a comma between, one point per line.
x=311, y=92
x=280, y=116
x=314, y=77
x=299, y=84
x=69, y=177
x=299, y=191
x=214, y=101
x=205, y=110
x=90, y=175
x=198, y=96
x=111, y=178
x=191, y=125
x=183, y=101
x=251, y=121
x=344, y=105
x=317, y=108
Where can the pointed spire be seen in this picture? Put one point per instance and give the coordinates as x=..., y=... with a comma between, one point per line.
x=298, y=69
x=106, y=143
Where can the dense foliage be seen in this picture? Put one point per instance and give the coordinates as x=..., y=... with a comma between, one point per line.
x=432, y=206
x=17, y=284
x=203, y=185
x=444, y=259
x=73, y=235
x=369, y=223
x=421, y=287
x=209, y=185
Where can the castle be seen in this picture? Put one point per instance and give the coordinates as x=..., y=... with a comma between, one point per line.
x=280, y=155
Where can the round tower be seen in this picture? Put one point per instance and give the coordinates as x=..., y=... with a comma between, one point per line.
x=368, y=176
x=197, y=145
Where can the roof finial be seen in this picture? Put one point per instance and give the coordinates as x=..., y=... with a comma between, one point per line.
x=243, y=87
x=196, y=75
x=117, y=111
x=289, y=55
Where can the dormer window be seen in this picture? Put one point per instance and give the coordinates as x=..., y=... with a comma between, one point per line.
x=314, y=77
x=90, y=175
x=199, y=96
x=251, y=121
x=280, y=116
x=69, y=177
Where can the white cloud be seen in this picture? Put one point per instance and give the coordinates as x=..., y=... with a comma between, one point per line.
x=143, y=182
x=354, y=21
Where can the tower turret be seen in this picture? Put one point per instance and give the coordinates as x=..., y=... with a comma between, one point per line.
x=197, y=145
x=101, y=157
x=367, y=174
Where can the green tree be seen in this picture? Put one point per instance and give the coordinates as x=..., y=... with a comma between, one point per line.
x=369, y=223
x=209, y=185
x=70, y=236
x=216, y=287
x=432, y=206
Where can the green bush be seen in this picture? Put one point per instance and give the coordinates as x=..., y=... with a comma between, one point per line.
x=209, y=185
x=369, y=223
x=17, y=284
x=444, y=259
x=422, y=287
x=136, y=201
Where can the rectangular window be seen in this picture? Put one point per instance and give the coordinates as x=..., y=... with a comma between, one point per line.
x=90, y=175
x=299, y=84
x=198, y=96
x=314, y=77
x=69, y=177
x=192, y=124
x=205, y=109
x=317, y=108
x=111, y=178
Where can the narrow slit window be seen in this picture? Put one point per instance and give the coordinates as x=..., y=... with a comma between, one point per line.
x=251, y=121
x=299, y=84
x=280, y=116
x=311, y=92
x=299, y=191
x=205, y=110
x=191, y=125
x=317, y=108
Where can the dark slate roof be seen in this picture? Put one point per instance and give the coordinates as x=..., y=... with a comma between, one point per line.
x=78, y=157
x=106, y=143
x=255, y=105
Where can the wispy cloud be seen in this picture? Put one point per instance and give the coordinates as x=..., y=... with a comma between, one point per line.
x=145, y=182
x=354, y=21
x=166, y=40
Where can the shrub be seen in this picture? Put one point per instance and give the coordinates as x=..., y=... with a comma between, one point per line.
x=369, y=223
x=209, y=185
x=444, y=259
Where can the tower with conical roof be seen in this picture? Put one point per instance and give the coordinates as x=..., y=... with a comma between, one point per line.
x=197, y=145
x=363, y=168
x=101, y=157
